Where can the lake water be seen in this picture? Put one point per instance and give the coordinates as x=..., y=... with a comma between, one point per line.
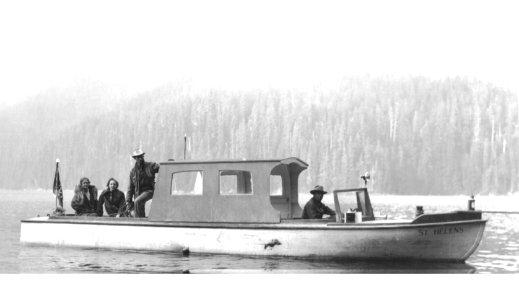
x=497, y=253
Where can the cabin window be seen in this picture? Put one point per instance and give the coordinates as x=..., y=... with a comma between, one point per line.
x=235, y=182
x=187, y=183
x=353, y=200
x=361, y=202
x=276, y=185
x=348, y=200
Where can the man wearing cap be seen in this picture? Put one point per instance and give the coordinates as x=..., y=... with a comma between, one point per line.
x=314, y=208
x=142, y=182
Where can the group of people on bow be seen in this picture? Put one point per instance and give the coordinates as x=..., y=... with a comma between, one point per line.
x=141, y=187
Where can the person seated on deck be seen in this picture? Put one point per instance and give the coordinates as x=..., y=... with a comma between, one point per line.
x=314, y=208
x=112, y=198
x=84, y=201
x=142, y=183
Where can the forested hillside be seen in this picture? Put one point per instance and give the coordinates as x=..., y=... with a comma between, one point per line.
x=414, y=135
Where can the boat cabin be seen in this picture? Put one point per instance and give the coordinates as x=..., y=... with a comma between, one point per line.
x=244, y=191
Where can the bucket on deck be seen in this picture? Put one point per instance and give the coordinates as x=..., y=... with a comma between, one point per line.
x=358, y=217
x=350, y=217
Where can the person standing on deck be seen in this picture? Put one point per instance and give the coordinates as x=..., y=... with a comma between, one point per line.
x=142, y=183
x=314, y=208
x=85, y=201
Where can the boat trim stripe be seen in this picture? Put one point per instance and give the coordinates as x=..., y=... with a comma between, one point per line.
x=277, y=226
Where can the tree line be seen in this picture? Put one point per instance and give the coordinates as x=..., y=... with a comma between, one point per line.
x=415, y=135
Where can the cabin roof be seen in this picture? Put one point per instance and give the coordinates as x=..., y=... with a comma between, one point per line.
x=284, y=161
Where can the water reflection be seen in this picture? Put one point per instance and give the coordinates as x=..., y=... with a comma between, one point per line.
x=34, y=259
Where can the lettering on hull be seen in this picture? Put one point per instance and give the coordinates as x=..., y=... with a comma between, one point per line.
x=440, y=231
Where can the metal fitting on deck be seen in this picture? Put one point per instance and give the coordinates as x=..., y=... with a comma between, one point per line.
x=472, y=203
x=419, y=211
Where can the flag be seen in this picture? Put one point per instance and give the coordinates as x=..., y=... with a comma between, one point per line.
x=56, y=188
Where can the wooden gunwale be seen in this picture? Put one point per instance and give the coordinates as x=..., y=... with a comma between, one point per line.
x=281, y=226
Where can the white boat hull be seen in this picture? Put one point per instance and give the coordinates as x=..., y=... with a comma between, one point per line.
x=446, y=241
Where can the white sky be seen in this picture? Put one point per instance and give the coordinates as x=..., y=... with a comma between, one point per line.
x=251, y=44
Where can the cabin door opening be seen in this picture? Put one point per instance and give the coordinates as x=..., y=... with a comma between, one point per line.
x=283, y=191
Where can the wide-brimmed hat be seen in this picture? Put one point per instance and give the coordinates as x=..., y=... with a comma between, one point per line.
x=138, y=152
x=318, y=189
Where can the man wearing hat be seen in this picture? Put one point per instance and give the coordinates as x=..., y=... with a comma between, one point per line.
x=142, y=182
x=314, y=208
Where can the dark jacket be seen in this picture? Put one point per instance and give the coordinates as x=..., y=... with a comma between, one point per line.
x=315, y=209
x=112, y=200
x=82, y=205
x=142, y=179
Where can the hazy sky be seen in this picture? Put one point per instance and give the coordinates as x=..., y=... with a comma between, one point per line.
x=247, y=44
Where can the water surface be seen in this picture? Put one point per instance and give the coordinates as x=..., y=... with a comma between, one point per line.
x=497, y=253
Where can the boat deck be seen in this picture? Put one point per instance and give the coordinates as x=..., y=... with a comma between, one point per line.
x=284, y=224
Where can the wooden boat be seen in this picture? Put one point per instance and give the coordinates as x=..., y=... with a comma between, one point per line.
x=250, y=207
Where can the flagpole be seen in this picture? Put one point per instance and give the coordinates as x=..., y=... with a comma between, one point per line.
x=185, y=145
x=57, y=194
